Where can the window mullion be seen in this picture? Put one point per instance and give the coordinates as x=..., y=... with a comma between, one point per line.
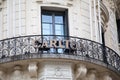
x=53, y=26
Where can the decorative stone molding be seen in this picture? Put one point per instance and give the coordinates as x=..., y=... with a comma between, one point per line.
x=55, y=69
x=117, y=6
x=39, y=1
x=70, y=3
x=81, y=71
x=32, y=68
x=91, y=74
x=1, y=1
x=58, y=72
x=104, y=13
x=1, y=5
x=2, y=75
x=106, y=76
x=111, y=4
x=57, y=2
x=16, y=73
x=17, y=69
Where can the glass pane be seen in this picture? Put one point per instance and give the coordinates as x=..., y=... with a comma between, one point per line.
x=47, y=29
x=60, y=50
x=59, y=29
x=59, y=19
x=47, y=18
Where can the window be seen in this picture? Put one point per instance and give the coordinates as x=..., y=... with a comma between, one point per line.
x=54, y=22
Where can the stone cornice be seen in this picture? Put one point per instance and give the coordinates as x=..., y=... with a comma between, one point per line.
x=67, y=2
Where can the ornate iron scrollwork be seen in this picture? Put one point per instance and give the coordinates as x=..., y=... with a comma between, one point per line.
x=67, y=45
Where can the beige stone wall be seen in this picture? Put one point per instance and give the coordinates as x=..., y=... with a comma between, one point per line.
x=22, y=17
x=13, y=18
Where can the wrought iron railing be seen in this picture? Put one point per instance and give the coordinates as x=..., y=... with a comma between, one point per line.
x=67, y=45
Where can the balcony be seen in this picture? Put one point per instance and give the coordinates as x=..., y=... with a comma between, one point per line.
x=58, y=47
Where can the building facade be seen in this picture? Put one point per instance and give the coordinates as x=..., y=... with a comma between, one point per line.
x=59, y=39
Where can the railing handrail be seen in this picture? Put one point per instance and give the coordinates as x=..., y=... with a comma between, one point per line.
x=49, y=35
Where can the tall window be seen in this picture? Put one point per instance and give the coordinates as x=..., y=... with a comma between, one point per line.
x=54, y=22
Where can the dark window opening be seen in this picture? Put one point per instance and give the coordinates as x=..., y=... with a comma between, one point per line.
x=118, y=29
x=103, y=38
x=54, y=22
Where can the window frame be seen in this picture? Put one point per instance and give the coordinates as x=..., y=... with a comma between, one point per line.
x=58, y=11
